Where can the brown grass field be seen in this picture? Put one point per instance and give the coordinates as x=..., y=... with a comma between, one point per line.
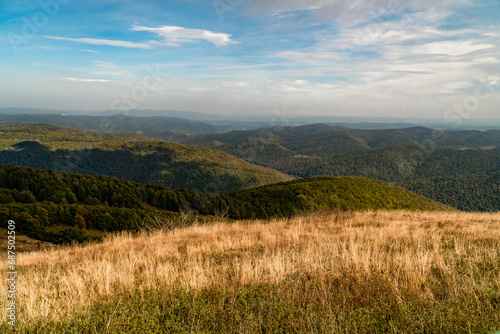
x=386, y=271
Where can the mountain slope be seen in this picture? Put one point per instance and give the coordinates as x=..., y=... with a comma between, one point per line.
x=394, y=163
x=156, y=127
x=474, y=192
x=60, y=207
x=131, y=157
x=320, y=140
x=326, y=193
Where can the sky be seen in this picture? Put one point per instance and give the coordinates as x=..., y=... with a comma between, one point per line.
x=378, y=58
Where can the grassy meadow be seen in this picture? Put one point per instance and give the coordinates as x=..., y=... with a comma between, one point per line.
x=328, y=272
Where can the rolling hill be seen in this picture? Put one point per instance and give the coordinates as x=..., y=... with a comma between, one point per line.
x=320, y=140
x=416, y=158
x=156, y=127
x=60, y=207
x=129, y=156
x=472, y=192
x=324, y=193
x=494, y=151
x=393, y=164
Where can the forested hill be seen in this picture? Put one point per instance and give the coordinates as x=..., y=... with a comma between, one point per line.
x=131, y=157
x=323, y=140
x=394, y=164
x=163, y=128
x=60, y=207
x=473, y=192
x=455, y=167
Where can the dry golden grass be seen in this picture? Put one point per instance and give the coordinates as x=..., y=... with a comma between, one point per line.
x=407, y=248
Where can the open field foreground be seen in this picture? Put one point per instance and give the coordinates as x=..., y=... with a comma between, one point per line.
x=333, y=272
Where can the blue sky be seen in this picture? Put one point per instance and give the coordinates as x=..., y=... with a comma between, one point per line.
x=392, y=58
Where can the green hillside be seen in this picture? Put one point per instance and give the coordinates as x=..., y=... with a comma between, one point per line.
x=162, y=128
x=258, y=151
x=326, y=193
x=474, y=192
x=457, y=159
x=494, y=151
x=131, y=157
x=320, y=140
x=60, y=207
x=394, y=163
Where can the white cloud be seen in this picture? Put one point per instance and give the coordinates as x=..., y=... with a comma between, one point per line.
x=81, y=79
x=108, y=42
x=171, y=36
x=450, y=48
x=106, y=68
x=177, y=35
x=312, y=58
x=352, y=12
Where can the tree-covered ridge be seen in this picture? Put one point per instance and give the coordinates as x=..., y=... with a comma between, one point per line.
x=157, y=127
x=394, y=163
x=321, y=140
x=131, y=157
x=495, y=151
x=325, y=193
x=54, y=137
x=419, y=168
x=474, y=192
x=59, y=206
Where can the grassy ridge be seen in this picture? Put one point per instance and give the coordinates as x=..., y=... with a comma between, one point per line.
x=334, y=272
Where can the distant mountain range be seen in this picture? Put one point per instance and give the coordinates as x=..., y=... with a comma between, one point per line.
x=324, y=140
x=272, y=119
x=164, y=128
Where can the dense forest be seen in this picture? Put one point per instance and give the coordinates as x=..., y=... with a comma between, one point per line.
x=400, y=163
x=453, y=167
x=474, y=192
x=60, y=207
x=321, y=140
x=131, y=157
x=464, y=177
x=163, y=128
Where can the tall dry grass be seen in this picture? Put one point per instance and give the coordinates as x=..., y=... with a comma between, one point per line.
x=458, y=251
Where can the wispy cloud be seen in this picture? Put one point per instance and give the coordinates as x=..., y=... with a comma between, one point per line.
x=348, y=12
x=170, y=36
x=450, y=48
x=81, y=79
x=106, y=68
x=177, y=35
x=94, y=41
